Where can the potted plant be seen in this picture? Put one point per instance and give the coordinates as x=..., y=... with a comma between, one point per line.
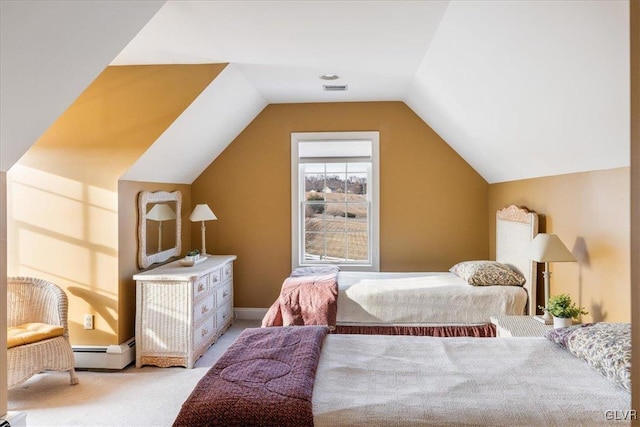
x=192, y=256
x=563, y=310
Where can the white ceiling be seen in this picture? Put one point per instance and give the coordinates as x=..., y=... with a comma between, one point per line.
x=519, y=89
x=283, y=46
x=523, y=89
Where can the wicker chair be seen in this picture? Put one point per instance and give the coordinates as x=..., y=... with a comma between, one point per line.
x=36, y=300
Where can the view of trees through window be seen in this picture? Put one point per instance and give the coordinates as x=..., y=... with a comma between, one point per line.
x=336, y=209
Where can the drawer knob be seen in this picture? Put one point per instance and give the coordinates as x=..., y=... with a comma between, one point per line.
x=201, y=287
x=224, y=315
x=205, y=309
x=225, y=293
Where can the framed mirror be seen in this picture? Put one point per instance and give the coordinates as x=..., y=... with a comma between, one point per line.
x=159, y=226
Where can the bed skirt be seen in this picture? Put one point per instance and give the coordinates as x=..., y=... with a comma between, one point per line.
x=481, y=331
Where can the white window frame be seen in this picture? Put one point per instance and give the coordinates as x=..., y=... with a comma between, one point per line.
x=297, y=213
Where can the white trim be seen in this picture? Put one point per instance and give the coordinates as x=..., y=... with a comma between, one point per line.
x=244, y=313
x=3, y=291
x=15, y=419
x=105, y=357
x=374, y=235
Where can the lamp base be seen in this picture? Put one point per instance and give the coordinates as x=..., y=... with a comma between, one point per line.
x=543, y=320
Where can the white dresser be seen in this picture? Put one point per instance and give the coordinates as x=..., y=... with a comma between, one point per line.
x=181, y=311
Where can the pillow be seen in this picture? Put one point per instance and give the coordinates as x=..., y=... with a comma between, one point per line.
x=32, y=332
x=487, y=273
x=606, y=347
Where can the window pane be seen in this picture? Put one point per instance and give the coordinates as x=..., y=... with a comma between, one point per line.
x=357, y=183
x=336, y=168
x=358, y=247
x=357, y=167
x=313, y=194
x=334, y=196
x=314, y=246
x=343, y=184
x=313, y=183
x=313, y=210
x=335, y=217
x=314, y=168
x=357, y=217
x=336, y=246
x=335, y=184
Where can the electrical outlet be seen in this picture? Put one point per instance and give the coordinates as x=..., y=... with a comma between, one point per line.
x=88, y=321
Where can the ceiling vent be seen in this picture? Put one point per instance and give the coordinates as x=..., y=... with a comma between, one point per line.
x=335, y=88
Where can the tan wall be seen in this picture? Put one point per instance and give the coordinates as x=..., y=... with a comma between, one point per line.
x=433, y=204
x=590, y=213
x=63, y=194
x=128, y=244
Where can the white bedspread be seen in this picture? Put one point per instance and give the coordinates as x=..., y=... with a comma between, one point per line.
x=369, y=380
x=416, y=298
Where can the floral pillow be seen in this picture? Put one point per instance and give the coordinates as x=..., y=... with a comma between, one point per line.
x=606, y=347
x=488, y=273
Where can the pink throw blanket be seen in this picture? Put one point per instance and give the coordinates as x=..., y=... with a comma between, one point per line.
x=265, y=378
x=309, y=296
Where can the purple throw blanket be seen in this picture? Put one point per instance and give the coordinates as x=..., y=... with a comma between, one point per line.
x=264, y=378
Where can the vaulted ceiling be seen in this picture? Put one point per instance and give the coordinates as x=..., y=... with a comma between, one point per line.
x=519, y=89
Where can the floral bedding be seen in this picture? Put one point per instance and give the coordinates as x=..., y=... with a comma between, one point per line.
x=604, y=346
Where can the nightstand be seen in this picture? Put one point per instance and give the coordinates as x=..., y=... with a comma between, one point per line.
x=519, y=326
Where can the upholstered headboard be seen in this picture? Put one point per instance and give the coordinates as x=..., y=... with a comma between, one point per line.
x=515, y=228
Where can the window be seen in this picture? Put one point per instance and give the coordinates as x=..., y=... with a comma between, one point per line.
x=335, y=209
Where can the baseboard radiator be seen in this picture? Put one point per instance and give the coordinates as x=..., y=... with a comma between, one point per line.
x=14, y=419
x=111, y=357
x=115, y=357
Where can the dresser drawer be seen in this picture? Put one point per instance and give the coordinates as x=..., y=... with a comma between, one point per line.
x=215, y=277
x=204, y=307
x=223, y=293
x=203, y=332
x=200, y=286
x=227, y=272
x=223, y=316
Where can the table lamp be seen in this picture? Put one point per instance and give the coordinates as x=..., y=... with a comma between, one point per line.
x=202, y=212
x=548, y=248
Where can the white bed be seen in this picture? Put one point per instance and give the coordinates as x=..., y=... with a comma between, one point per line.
x=419, y=303
x=370, y=380
x=418, y=299
x=303, y=375
x=415, y=299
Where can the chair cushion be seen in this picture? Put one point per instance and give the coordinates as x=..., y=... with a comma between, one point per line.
x=32, y=332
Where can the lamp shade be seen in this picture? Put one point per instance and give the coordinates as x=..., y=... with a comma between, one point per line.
x=549, y=248
x=202, y=212
x=161, y=212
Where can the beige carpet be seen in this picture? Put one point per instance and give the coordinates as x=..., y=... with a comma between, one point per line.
x=148, y=396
